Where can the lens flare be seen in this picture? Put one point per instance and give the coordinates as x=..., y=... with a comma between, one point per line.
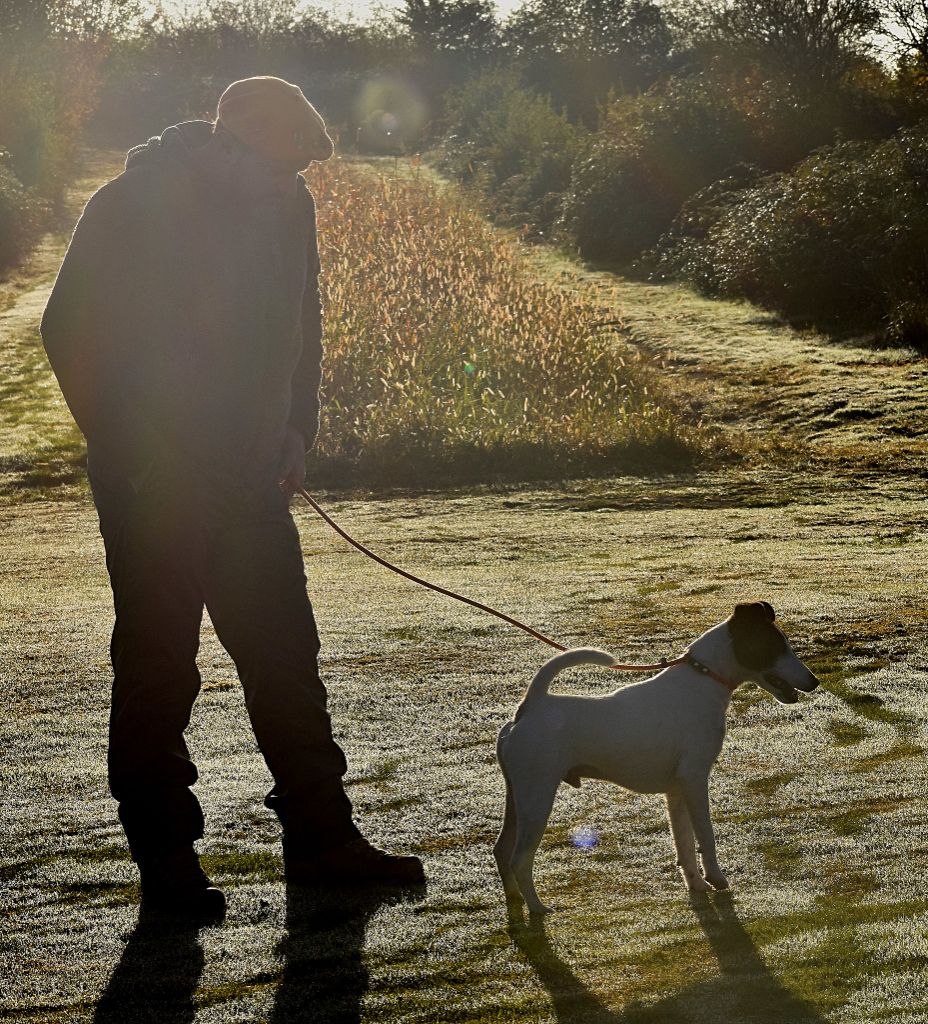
x=584, y=837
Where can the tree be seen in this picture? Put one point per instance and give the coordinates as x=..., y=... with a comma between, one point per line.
x=460, y=27
x=632, y=30
x=905, y=28
x=578, y=51
x=806, y=40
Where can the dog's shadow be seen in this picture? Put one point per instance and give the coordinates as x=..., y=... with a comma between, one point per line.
x=744, y=988
x=324, y=977
x=156, y=977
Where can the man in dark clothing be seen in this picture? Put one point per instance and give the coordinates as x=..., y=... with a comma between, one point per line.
x=185, y=331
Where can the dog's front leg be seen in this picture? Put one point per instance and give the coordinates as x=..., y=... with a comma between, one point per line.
x=696, y=795
x=682, y=831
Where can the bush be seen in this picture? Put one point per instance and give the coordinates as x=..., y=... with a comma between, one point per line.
x=654, y=151
x=48, y=89
x=22, y=215
x=508, y=142
x=840, y=241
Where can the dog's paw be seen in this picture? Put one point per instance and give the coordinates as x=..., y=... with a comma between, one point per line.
x=717, y=880
x=695, y=882
x=539, y=909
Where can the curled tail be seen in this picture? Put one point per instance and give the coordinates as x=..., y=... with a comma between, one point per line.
x=538, y=687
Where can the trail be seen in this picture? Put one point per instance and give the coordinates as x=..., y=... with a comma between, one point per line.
x=41, y=451
x=847, y=403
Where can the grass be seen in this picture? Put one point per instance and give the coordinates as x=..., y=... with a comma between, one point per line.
x=819, y=807
x=447, y=363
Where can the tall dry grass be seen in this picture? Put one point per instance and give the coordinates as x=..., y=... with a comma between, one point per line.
x=445, y=363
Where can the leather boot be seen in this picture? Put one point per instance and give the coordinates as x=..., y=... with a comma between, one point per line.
x=354, y=863
x=174, y=885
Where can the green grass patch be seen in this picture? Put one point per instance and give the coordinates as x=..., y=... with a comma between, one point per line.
x=767, y=785
x=847, y=734
x=858, y=818
x=902, y=750
x=782, y=857
x=108, y=893
x=253, y=865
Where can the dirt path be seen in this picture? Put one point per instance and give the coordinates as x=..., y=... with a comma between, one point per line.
x=41, y=451
x=820, y=808
x=855, y=406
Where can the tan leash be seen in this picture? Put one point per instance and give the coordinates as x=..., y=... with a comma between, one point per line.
x=655, y=666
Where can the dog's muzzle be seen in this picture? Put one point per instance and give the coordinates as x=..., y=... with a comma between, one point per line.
x=787, y=693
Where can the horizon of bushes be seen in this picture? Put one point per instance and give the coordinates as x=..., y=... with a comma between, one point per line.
x=727, y=143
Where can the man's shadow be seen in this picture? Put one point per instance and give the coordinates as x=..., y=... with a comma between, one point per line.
x=324, y=978
x=744, y=987
x=156, y=977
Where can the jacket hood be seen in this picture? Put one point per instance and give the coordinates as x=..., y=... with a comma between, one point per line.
x=179, y=142
x=216, y=160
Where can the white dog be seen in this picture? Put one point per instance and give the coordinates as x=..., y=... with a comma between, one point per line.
x=659, y=736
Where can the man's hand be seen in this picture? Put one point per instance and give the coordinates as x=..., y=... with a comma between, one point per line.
x=291, y=472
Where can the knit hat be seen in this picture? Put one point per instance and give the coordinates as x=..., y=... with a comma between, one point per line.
x=275, y=119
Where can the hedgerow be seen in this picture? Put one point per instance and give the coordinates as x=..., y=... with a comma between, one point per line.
x=839, y=241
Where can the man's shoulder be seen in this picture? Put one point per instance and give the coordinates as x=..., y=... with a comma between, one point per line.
x=141, y=190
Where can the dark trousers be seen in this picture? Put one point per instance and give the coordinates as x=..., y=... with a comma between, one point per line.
x=173, y=547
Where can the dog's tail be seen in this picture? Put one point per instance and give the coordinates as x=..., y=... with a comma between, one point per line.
x=538, y=687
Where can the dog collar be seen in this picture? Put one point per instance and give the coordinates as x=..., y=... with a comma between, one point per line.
x=704, y=670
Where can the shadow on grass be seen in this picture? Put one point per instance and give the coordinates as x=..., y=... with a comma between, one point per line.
x=324, y=977
x=156, y=977
x=744, y=991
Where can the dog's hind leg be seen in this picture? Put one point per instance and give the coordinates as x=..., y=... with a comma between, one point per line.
x=502, y=851
x=506, y=840
x=533, y=807
x=681, y=828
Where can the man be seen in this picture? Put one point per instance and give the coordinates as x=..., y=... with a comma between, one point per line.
x=185, y=331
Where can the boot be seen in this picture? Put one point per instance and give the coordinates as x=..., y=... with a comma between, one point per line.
x=354, y=863
x=174, y=885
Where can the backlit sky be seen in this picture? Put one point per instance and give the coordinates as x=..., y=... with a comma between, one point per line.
x=358, y=10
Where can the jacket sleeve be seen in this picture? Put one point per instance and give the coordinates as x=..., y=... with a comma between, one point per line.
x=304, y=398
x=82, y=317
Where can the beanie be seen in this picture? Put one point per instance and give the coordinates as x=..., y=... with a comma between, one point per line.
x=275, y=119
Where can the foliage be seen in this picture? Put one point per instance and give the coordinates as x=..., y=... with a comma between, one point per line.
x=838, y=241
x=48, y=90
x=465, y=27
x=444, y=361
x=579, y=51
x=812, y=41
x=655, y=150
x=508, y=142
x=21, y=215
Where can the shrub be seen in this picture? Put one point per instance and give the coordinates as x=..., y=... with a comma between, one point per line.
x=654, y=151
x=48, y=89
x=508, y=142
x=22, y=215
x=840, y=241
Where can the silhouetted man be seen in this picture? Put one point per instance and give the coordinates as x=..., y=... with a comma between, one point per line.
x=185, y=331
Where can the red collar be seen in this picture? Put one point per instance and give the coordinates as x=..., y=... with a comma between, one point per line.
x=704, y=670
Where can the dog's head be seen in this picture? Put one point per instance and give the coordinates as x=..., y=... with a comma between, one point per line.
x=764, y=653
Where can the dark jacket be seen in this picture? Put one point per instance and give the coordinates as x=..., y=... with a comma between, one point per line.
x=186, y=323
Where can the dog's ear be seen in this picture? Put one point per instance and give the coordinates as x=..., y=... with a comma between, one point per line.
x=758, y=611
x=756, y=641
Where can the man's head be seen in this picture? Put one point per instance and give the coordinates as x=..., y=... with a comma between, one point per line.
x=274, y=118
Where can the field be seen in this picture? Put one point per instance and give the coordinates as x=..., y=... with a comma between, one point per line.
x=820, y=808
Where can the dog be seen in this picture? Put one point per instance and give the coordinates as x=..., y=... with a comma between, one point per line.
x=662, y=735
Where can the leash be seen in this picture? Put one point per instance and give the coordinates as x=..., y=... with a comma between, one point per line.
x=684, y=659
